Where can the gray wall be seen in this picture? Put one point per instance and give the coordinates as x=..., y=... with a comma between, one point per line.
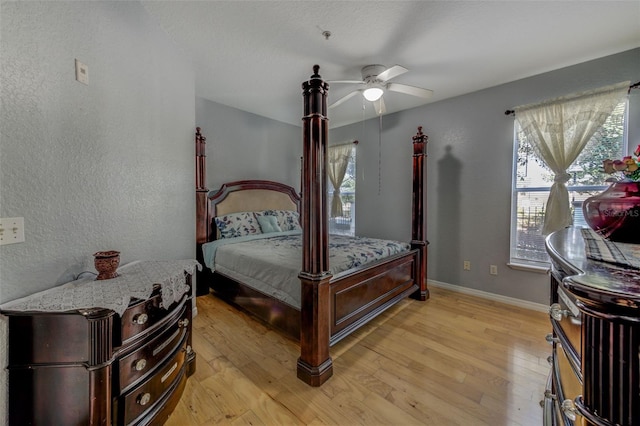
x=104, y=166
x=470, y=155
x=241, y=145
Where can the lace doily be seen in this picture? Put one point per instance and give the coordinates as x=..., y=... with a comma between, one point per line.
x=135, y=281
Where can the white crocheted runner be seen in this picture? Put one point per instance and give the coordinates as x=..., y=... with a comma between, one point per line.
x=135, y=281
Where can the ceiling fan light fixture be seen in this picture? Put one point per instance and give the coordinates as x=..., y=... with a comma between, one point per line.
x=372, y=93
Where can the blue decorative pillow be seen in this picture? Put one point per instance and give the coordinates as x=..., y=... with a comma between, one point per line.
x=288, y=220
x=237, y=225
x=268, y=224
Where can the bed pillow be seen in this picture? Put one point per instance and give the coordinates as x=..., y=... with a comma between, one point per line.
x=268, y=224
x=292, y=220
x=288, y=220
x=237, y=224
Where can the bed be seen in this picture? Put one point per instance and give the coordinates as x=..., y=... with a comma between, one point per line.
x=332, y=302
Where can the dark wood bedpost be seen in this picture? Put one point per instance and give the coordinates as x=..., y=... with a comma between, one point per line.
x=314, y=365
x=419, y=214
x=202, y=209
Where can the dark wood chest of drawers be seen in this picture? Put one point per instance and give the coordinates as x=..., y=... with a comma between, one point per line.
x=95, y=367
x=595, y=317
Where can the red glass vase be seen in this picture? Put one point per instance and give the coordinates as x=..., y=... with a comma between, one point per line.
x=615, y=212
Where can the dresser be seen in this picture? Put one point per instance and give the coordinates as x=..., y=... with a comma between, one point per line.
x=109, y=352
x=595, y=318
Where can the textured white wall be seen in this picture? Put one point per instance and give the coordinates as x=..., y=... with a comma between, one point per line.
x=104, y=166
x=470, y=155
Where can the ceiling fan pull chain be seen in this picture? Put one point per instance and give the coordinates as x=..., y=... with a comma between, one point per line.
x=379, y=154
x=363, y=135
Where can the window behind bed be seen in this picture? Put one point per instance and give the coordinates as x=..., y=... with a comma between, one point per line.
x=344, y=222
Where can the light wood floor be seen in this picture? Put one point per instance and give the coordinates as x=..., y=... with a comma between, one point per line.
x=452, y=360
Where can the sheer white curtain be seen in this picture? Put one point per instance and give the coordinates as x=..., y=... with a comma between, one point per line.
x=558, y=131
x=337, y=162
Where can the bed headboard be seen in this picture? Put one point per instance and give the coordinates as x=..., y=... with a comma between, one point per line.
x=247, y=195
x=253, y=195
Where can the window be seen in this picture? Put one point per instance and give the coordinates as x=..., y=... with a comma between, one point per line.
x=532, y=181
x=344, y=222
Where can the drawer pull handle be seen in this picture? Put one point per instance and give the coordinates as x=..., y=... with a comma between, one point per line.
x=550, y=339
x=140, y=364
x=141, y=319
x=144, y=398
x=183, y=322
x=550, y=359
x=569, y=409
x=557, y=313
x=549, y=395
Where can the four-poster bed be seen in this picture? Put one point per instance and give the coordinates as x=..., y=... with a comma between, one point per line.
x=332, y=303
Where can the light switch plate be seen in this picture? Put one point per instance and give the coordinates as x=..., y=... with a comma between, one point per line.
x=82, y=72
x=11, y=230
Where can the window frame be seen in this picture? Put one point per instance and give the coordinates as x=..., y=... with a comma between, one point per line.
x=530, y=264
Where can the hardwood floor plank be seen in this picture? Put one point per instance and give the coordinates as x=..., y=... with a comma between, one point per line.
x=455, y=359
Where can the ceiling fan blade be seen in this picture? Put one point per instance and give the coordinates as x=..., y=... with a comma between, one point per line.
x=410, y=90
x=380, y=106
x=392, y=72
x=344, y=98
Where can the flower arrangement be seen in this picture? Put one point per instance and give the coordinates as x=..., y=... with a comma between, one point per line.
x=628, y=166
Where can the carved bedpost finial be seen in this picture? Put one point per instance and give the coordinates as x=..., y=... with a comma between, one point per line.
x=201, y=161
x=199, y=134
x=316, y=68
x=420, y=137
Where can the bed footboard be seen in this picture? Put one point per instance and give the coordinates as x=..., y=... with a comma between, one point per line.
x=360, y=296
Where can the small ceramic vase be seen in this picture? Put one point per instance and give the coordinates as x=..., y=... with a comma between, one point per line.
x=106, y=263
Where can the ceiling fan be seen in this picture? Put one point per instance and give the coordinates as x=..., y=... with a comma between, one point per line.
x=375, y=81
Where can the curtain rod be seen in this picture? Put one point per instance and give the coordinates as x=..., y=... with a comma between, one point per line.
x=633, y=86
x=354, y=142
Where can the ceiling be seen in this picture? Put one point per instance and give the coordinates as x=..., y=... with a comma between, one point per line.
x=254, y=55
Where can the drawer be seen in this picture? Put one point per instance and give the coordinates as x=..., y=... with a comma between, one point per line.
x=149, y=393
x=558, y=419
x=135, y=365
x=143, y=316
x=566, y=320
x=548, y=403
x=571, y=384
x=567, y=387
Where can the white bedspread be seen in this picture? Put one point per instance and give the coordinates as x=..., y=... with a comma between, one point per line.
x=271, y=263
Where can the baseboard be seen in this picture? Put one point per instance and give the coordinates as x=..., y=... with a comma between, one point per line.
x=491, y=296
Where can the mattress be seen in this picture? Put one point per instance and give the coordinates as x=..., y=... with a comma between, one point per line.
x=270, y=263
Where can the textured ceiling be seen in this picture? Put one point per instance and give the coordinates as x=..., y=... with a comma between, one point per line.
x=254, y=55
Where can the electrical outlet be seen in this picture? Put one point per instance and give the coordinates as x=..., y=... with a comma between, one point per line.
x=466, y=265
x=82, y=72
x=493, y=269
x=11, y=230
